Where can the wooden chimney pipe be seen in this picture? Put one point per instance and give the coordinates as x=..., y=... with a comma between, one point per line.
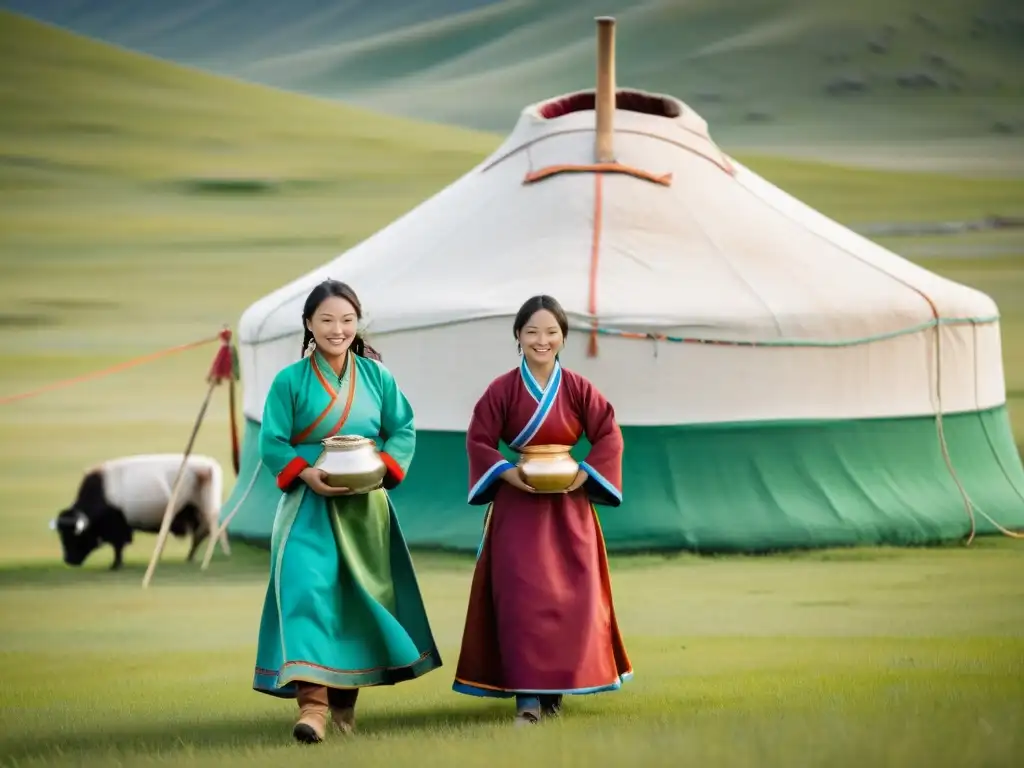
x=604, y=102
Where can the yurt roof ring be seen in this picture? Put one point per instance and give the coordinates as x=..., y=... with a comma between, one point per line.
x=604, y=101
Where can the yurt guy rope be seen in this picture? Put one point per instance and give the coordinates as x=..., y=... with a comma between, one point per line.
x=971, y=506
x=107, y=371
x=937, y=324
x=226, y=521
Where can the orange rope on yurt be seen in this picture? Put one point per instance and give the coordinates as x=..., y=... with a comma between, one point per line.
x=599, y=170
x=107, y=371
x=595, y=251
x=664, y=179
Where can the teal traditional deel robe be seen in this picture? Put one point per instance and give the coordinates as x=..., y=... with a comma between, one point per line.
x=343, y=607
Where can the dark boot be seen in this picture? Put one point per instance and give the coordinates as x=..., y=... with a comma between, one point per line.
x=551, y=704
x=527, y=710
x=343, y=708
x=312, y=723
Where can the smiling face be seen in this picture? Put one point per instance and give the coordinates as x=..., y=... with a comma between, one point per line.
x=334, y=324
x=541, y=338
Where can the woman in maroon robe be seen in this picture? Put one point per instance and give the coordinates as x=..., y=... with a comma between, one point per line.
x=541, y=621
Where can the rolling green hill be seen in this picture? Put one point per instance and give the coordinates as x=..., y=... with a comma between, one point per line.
x=923, y=77
x=115, y=166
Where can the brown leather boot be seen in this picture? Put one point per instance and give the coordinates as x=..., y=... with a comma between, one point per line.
x=312, y=723
x=343, y=708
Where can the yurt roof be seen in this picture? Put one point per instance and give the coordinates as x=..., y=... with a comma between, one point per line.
x=673, y=236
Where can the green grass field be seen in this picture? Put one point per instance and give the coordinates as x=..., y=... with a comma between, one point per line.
x=880, y=658
x=117, y=240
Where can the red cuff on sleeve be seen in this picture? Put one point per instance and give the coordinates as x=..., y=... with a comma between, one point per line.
x=291, y=472
x=394, y=475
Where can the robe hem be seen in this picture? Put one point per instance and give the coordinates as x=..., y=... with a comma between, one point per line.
x=488, y=692
x=282, y=684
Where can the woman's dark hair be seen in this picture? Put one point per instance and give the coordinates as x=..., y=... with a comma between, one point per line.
x=536, y=304
x=317, y=296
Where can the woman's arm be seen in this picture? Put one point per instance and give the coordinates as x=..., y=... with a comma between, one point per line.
x=276, y=449
x=487, y=464
x=603, y=464
x=397, y=428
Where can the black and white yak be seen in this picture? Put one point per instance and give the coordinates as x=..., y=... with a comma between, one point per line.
x=129, y=494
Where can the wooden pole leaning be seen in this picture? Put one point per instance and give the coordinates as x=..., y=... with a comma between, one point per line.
x=224, y=368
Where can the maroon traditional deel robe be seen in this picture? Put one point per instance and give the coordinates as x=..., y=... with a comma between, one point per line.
x=541, y=618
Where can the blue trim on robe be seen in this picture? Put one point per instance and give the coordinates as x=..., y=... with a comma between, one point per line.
x=491, y=693
x=532, y=385
x=603, y=487
x=487, y=480
x=544, y=407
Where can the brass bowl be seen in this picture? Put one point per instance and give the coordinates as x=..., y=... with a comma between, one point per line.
x=547, y=468
x=352, y=462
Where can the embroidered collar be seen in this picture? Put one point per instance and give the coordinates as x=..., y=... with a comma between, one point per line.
x=530, y=381
x=327, y=371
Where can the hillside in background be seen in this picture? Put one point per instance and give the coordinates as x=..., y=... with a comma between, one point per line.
x=762, y=72
x=164, y=200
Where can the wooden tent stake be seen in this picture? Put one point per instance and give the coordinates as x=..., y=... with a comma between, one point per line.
x=165, y=524
x=223, y=369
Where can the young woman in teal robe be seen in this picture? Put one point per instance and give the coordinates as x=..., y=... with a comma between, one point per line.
x=343, y=609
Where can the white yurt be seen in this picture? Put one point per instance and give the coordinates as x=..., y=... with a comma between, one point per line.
x=780, y=380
